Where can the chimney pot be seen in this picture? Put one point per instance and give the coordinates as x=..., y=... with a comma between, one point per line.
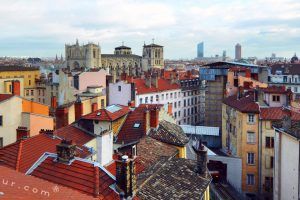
x=65, y=151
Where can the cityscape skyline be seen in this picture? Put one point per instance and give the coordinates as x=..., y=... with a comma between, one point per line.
x=46, y=26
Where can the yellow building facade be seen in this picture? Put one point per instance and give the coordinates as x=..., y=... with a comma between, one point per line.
x=240, y=139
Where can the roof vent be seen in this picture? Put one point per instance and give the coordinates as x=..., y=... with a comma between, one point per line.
x=98, y=113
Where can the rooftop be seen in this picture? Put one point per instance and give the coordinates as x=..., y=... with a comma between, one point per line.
x=4, y=97
x=152, y=45
x=17, y=68
x=80, y=174
x=244, y=104
x=110, y=113
x=169, y=133
x=22, y=154
x=201, y=130
x=176, y=179
x=224, y=64
x=45, y=189
x=163, y=85
x=285, y=69
x=277, y=113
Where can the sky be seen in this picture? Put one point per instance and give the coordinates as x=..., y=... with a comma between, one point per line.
x=41, y=28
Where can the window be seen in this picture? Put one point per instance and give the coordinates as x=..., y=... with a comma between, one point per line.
x=178, y=103
x=1, y=120
x=162, y=97
x=276, y=98
x=175, y=105
x=146, y=100
x=167, y=96
x=151, y=99
x=268, y=184
x=31, y=91
x=269, y=142
x=27, y=92
x=251, y=137
x=250, y=158
x=141, y=100
x=1, y=142
x=171, y=95
x=157, y=97
x=250, y=179
x=175, y=115
x=119, y=88
x=178, y=113
x=184, y=112
x=184, y=103
x=251, y=118
x=29, y=82
x=271, y=162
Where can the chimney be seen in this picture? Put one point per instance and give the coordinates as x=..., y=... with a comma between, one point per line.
x=22, y=132
x=248, y=73
x=154, y=80
x=154, y=117
x=146, y=120
x=94, y=107
x=125, y=176
x=54, y=102
x=65, y=151
x=16, y=88
x=62, y=117
x=170, y=108
x=148, y=81
x=201, y=153
x=131, y=104
x=78, y=108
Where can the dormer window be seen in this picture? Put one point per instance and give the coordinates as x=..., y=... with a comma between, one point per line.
x=276, y=98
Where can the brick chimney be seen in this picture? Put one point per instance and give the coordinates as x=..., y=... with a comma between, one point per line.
x=126, y=176
x=97, y=183
x=201, y=153
x=54, y=102
x=16, y=88
x=170, y=108
x=22, y=132
x=62, y=117
x=154, y=80
x=154, y=118
x=78, y=108
x=65, y=151
x=94, y=107
x=146, y=120
x=148, y=81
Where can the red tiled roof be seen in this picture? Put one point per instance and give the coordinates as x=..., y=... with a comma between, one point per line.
x=275, y=90
x=244, y=104
x=277, y=113
x=163, y=85
x=22, y=154
x=45, y=189
x=105, y=115
x=3, y=97
x=78, y=175
x=128, y=133
x=75, y=134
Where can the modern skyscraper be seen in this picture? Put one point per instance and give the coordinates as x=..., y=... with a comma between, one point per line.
x=238, y=51
x=200, y=50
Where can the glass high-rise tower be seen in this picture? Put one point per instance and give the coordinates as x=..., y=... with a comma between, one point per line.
x=200, y=50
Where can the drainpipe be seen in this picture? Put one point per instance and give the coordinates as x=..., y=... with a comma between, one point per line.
x=259, y=155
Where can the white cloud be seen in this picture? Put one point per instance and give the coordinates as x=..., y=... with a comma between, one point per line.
x=178, y=25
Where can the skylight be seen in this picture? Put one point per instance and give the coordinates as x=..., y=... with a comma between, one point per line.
x=137, y=125
x=113, y=108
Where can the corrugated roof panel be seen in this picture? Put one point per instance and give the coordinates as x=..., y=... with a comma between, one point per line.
x=201, y=130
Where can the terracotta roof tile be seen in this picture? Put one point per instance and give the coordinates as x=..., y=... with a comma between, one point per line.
x=22, y=154
x=277, y=113
x=163, y=85
x=275, y=90
x=244, y=104
x=79, y=175
x=45, y=189
x=107, y=115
